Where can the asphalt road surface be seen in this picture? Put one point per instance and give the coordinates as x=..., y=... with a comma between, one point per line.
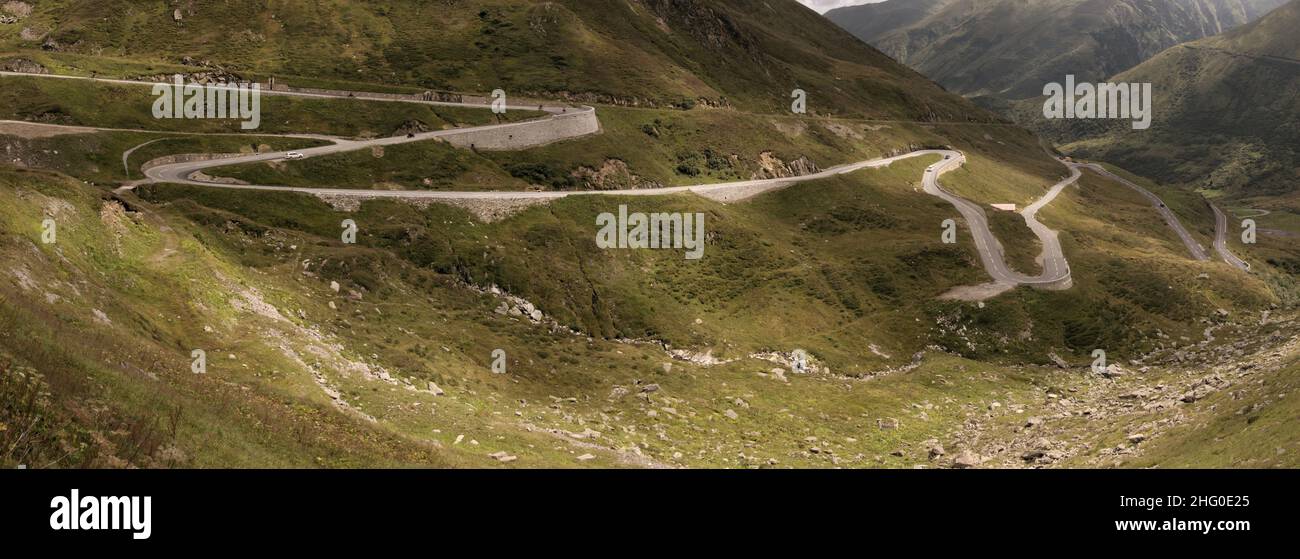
x=1221, y=240
x=1056, y=269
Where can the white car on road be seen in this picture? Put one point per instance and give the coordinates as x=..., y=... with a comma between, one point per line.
x=294, y=155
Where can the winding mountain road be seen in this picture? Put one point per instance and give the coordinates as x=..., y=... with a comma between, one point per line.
x=1193, y=247
x=1221, y=241
x=1056, y=269
x=1055, y=273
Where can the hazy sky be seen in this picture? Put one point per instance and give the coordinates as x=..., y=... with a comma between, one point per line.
x=823, y=5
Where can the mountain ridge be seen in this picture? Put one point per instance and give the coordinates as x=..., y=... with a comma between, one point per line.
x=1010, y=48
x=656, y=53
x=1226, y=112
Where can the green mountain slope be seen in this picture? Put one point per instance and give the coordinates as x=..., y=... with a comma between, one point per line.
x=644, y=52
x=1226, y=113
x=1010, y=48
x=301, y=373
x=381, y=353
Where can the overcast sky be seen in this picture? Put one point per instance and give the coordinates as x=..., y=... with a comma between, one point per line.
x=824, y=5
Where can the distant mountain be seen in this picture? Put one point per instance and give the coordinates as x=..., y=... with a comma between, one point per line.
x=1010, y=48
x=1227, y=112
x=871, y=21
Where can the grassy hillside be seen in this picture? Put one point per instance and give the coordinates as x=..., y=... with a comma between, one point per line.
x=649, y=52
x=381, y=353
x=1225, y=113
x=129, y=106
x=847, y=269
x=136, y=292
x=759, y=249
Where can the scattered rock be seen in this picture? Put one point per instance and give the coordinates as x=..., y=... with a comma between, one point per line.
x=966, y=459
x=1198, y=392
x=1113, y=371
x=613, y=174
x=503, y=456
x=587, y=433
x=935, y=449
x=1056, y=360
x=1139, y=394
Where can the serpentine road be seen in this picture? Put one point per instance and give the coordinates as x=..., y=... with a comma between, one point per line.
x=1193, y=247
x=1055, y=268
x=1221, y=241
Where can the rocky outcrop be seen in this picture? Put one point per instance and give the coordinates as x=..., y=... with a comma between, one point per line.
x=209, y=74
x=208, y=77
x=23, y=65
x=412, y=126
x=614, y=174
x=705, y=24
x=772, y=167
x=15, y=11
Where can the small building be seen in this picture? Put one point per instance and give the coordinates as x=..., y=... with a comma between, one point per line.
x=1005, y=207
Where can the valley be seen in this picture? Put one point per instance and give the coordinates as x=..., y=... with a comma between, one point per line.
x=473, y=319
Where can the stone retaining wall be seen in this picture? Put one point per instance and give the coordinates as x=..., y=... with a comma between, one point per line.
x=528, y=134
x=186, y=158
